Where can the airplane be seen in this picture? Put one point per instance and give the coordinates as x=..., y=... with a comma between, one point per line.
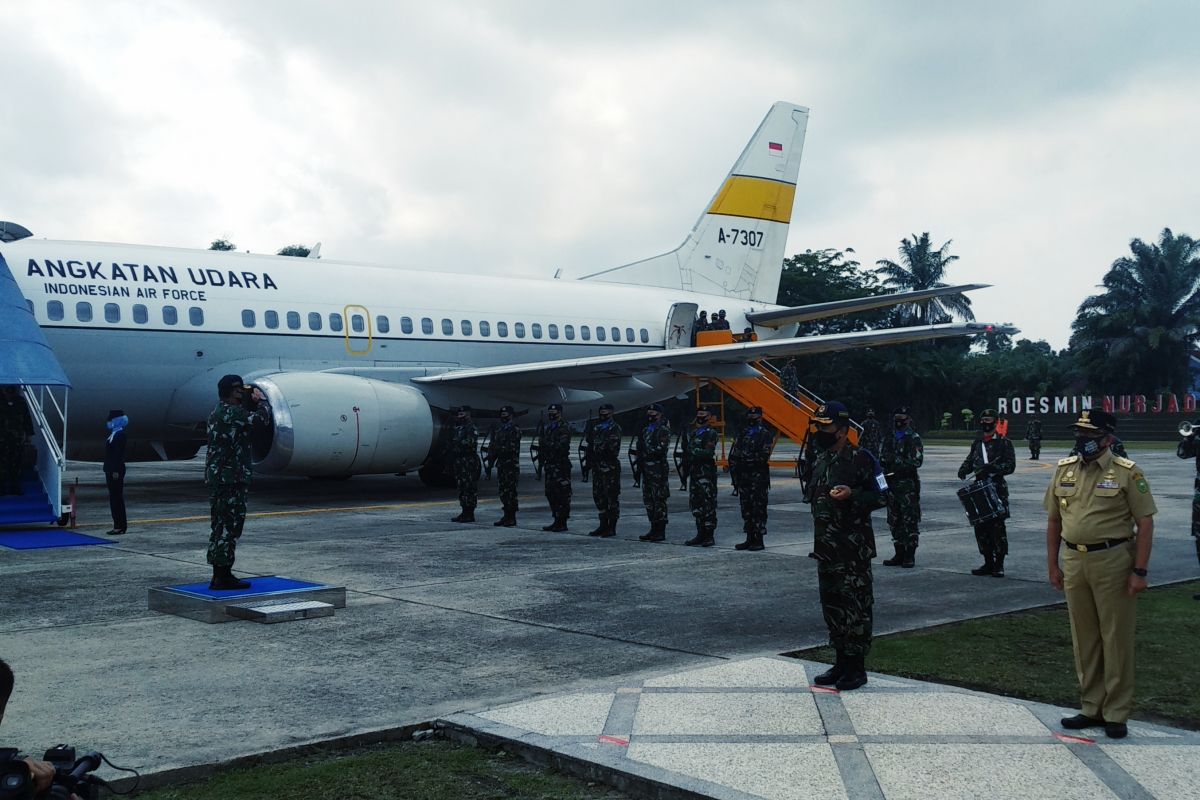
x=361, y=363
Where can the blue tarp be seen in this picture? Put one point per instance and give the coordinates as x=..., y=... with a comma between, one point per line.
x=25, y=357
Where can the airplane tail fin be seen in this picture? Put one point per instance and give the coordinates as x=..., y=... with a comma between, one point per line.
x=736, y=247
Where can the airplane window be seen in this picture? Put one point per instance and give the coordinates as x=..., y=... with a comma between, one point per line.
x=140, y=315
x=83, y=311
x=196, y=315
x=357, y=323
x=247, y=318
x=335, y=322
x=600, y=333
x=447, y=327
x=616, y=335
x=502, y=329
x=293, y=320
x=382, y=324
x=552, y=329
x=112, y=312
x=170, y=315
x=485, y=328
x=536, y=327
x=466, y=327
x=645, y=335
x=629, y=334
x=271, y=319
x=570, y=329
x=585, y=333
x=519, y=329
x=406, y=325
x=426, y=325
x=54, y=310
x=314, y=321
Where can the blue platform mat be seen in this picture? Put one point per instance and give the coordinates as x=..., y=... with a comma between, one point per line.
x=271, y=584
x=38, y=540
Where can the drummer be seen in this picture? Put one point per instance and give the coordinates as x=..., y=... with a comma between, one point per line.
x=991, y=457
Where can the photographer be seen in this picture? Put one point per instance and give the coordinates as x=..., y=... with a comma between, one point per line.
x=227, y=470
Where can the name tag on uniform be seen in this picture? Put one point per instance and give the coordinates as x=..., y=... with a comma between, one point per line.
x=1108, y=485
x=1066, y=484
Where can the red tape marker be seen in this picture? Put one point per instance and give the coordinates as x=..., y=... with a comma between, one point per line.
x=615, y=740
x=1062, y=737
x=824, y=690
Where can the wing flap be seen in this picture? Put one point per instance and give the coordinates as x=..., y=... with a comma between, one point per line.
x=779, y=317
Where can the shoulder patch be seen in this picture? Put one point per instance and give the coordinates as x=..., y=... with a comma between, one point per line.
x=1123, y=462
x=1068, y=460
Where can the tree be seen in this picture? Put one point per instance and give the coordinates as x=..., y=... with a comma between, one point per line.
x=222, y=244
x=1142, y=329
x=297, y=250
x=821, y=276
x=922, y=267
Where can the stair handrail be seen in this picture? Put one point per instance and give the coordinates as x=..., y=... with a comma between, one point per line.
x=51, y=454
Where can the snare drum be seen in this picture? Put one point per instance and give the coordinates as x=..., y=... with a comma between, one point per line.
x=982, y=502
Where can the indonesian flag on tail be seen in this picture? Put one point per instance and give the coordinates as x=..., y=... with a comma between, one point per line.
x=775, y=149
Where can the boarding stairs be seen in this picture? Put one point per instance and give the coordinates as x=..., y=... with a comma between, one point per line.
x=40, y=500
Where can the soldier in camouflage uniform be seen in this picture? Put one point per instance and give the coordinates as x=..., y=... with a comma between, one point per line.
x=604, y=457
x=750, y=468
x=464, y=454
x=991, y=457
x=554, y=445
x=701, y=445
x=227, y=468
x=788, y=379
x=506, y=454
x=654, y=441
x=871, y=437
x=846, y=487
x=16, y=426
x=901, y=456
x=1190, y=448
x=1033, y=435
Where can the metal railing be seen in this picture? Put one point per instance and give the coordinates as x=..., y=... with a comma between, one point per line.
x=50, y=440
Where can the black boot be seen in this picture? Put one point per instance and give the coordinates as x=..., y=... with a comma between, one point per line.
x=560, y=524
x=756, y=542
x=746, y=544
x=708, y=538
x=610, y=526
x=698, y=538
x=988, y=565
x=223, y=580
x=908, y=557
x=855, y=675
x=895, y=560
x=832, y=675
x=467, y=515
x=998, y=567
x=601, y=524
x=508, y=520
x=657, y=532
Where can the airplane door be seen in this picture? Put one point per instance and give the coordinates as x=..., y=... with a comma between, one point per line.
x=359, y=339
x=680, y=322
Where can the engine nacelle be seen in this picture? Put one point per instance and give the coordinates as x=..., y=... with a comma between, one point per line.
x=331, y=424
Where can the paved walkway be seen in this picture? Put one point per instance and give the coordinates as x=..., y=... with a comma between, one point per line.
x=756, y=728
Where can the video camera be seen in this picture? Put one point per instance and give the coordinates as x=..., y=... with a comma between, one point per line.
x=71, y=775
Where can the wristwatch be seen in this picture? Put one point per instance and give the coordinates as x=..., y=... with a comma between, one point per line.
x=1141, y=573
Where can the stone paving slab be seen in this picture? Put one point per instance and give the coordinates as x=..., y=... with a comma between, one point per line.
x=756, y=728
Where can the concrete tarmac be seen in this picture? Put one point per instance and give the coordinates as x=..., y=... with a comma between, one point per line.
x=443, y=617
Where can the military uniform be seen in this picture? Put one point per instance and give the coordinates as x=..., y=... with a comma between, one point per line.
x=750, y=468
x=991, y=456
x=653, y=444
x=16, y=426
x=604, y=457
x=1033, y=435
x=901, y=456
x=788, y=379
x=843, y=546
x=701, y=444
x=506, y=452
x=1190, y=448
x=871, y=437
x=464, y=455
x=554, y=448
x=227, y=471
x=1097, y=503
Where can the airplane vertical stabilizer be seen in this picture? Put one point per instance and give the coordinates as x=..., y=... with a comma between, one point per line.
x=737, y=246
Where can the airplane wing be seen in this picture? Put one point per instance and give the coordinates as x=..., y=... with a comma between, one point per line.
x=718, y=361
x=779, y=317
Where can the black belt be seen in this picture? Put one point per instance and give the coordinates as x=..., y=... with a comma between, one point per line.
x=1091, y=548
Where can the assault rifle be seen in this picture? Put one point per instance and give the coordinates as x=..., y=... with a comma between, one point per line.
x=535, y=448
x=585, y=450
x=634, y=455
x=683, y=458
x=487, y=454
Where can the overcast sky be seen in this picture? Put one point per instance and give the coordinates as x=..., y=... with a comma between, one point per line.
x=522, y=137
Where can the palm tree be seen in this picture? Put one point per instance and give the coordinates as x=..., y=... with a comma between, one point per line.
x=1142, y=329
x=923, y=268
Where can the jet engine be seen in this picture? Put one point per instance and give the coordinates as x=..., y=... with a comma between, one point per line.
x=328, y=424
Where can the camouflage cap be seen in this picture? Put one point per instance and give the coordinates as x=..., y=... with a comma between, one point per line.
x=902, y=411
x=554, y=407
x=832, y=412
x=656, y=408
x=506, y=410
x=988, y=412
x=228, y=383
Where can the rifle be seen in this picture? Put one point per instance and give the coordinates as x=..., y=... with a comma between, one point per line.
x=683, y=458
x=635, y=458
x=535, y=448
x=486, y=455
x=585, y=450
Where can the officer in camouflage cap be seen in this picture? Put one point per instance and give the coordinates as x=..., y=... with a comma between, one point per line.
x=554, y=445
x=506, y=450
x=846, y=486
x=227, y=469
x=701, y=444
x=653, y=443
x=604, y=454
x=464, y=454
x=750, y=469
x=901, y=455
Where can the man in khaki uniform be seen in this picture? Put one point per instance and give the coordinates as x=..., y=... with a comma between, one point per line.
x=1096, y=503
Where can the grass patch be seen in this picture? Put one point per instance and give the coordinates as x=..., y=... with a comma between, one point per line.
x=430, y=770
x=1028, y=654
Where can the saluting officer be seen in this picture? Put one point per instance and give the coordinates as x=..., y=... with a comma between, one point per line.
x=991, y=456
x=750, y=468
x=1099, y=505
x=554, y=445
x=654, y=442
x=604, y=454
x=464, y=452
x=702, y=478
x=506, y=450
x=901, y=455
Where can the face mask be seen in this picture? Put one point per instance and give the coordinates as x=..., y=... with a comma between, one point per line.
x=1087, y=446
x=987, y=427
x=901, y=424
x=826, y=439
x=701, y=420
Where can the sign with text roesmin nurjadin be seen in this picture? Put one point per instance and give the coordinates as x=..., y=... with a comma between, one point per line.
x=1112, y=403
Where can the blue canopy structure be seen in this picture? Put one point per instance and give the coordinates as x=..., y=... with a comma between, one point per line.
x=25, y=356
